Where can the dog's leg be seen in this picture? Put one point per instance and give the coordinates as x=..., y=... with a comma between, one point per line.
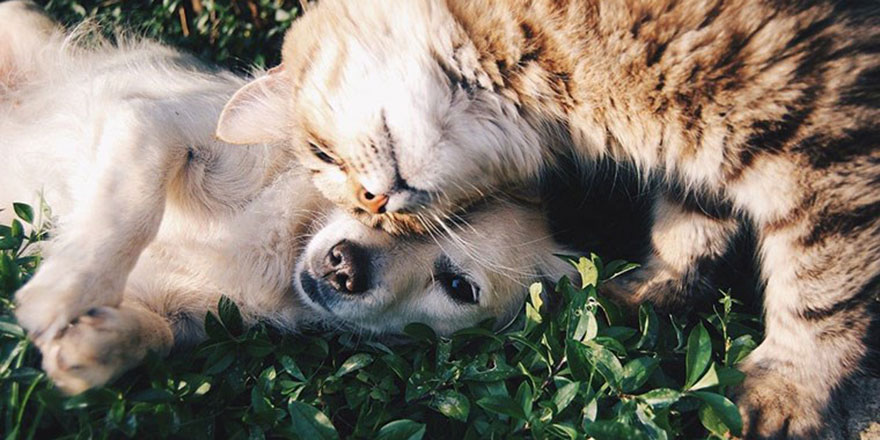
x=117, y=214
x=102, y=344
x=686, y=243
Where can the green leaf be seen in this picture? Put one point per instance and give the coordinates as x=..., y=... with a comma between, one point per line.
x=613, y=430
x=636, y=372
x=612, y=311
x=452, y=404
x=617, y=268
x=699, y=354
x=259, y=347
x=420, y=332
x=497, y=370
x=24, y=212
x=9, y=327
x=620, y=333
x=712, y=422
x=230, y=316
x=292, y=369
x=646, y=416
x=606, y=363
x=588, y=271
x=214, y=328
x=649, y=326
x=578, y=360
x=710, y=379
x=524, y=397
x=354, y=363
x=152, y=395
x=533, y=307
x=565, y=395
x=502, y=405
x=729, y=376
x=563, y=431
x=587, y=327
x=661, y=397
x=398, y=365
x=310, y=423
x=17, y=230
x=591, y=410
x=219, y=362
x=723, y=408
x=739, y=349
x=403, y=429
x=535, y=291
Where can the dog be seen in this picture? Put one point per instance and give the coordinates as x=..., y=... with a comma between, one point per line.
x=153, y=219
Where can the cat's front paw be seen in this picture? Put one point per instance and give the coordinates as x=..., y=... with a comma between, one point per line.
x=773, y=406
x=58, y=294
x=666, y=289
x=99, y=346
x=661, y=288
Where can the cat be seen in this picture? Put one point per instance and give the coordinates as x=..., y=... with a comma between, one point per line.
x=755, y=113
x=153, y=219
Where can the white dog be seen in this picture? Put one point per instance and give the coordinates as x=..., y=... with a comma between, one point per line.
x=154, y=218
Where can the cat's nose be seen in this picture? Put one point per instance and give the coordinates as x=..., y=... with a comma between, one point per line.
x=346, y=267
x=374, y=203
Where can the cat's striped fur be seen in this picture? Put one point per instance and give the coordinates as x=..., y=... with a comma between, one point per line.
x=753, y=111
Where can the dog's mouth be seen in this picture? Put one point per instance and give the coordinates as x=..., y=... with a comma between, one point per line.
x=321, y=300
x=316, y=291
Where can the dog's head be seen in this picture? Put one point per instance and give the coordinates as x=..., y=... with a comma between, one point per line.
x=366, y=280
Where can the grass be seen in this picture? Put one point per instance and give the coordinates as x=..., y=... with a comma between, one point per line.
x=581, y=369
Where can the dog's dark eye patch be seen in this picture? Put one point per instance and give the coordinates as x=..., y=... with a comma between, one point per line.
x=455, y=283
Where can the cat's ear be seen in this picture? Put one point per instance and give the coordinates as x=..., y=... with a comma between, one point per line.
x=257, y=113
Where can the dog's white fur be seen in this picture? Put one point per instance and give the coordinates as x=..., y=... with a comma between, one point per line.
x=154, y=218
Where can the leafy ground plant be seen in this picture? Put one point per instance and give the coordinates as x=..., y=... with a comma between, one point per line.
x=574, y=366
x=237, y=34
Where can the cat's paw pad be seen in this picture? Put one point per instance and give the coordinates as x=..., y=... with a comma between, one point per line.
x=94, y=349
x=773, y=406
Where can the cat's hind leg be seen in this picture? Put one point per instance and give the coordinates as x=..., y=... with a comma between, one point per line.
x=822, y=276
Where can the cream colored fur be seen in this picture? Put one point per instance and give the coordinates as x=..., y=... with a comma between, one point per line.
x=153, y=219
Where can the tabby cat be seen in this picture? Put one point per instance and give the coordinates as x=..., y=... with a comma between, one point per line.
x=754, y=112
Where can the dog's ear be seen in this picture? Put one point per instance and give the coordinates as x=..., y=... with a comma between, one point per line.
x=257, y=113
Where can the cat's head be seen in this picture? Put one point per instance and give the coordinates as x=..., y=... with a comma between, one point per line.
x=365, y=280
x=386, y=103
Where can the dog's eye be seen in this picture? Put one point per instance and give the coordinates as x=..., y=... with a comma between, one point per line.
x=459, y=288
x=322, y=155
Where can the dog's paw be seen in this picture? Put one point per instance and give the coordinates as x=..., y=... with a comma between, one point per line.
x=99, y=346
x=54, y=297
x=775, y=407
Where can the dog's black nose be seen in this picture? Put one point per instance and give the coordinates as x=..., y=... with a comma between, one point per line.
x=347, y=268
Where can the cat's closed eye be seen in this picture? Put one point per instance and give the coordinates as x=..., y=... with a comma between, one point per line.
x=322, y=154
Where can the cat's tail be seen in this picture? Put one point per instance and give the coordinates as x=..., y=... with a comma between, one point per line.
x=25, y=32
